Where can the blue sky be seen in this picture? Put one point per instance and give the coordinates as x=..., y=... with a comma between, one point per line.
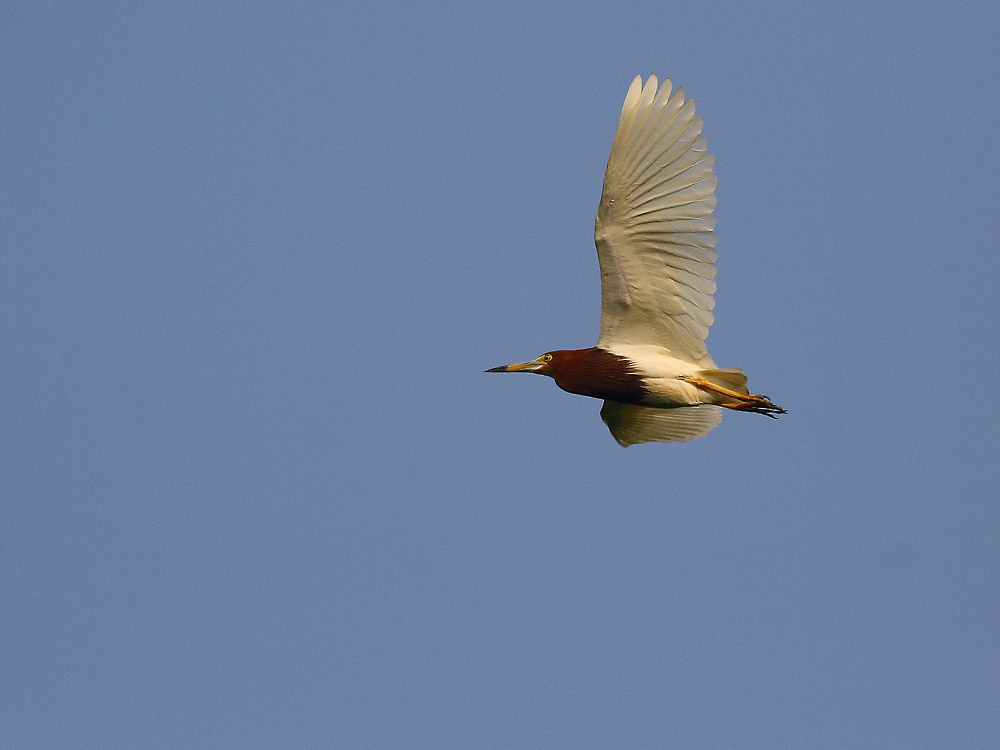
x=257, y=491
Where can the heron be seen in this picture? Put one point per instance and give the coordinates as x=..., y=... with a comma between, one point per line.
x=656, y=247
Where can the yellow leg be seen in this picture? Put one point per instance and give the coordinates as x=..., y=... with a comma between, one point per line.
x=744, y=401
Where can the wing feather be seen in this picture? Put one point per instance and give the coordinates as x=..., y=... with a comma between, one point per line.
x=631, y=424
x=629, y=110
x=678, y=129
x=655, y=230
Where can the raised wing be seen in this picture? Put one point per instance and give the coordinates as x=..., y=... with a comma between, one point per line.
x=632, y=424
x=654, y=226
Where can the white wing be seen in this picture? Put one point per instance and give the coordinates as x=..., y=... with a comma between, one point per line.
x=632, y=424
x=654, y=226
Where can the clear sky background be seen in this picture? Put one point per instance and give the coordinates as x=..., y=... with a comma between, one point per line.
x=258, y=492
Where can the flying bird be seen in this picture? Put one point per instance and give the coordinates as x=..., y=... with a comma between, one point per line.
x=656, y=246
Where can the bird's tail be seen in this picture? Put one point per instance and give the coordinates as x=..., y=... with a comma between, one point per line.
x=731, y=378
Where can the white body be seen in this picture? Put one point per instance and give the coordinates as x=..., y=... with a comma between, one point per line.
x=660, y=369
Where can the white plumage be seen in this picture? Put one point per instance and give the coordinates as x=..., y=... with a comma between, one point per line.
x=654, y=229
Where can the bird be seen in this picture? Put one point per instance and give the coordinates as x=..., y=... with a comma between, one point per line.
x=656, y=248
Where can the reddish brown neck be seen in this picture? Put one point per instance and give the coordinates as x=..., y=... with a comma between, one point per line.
x=598, y=373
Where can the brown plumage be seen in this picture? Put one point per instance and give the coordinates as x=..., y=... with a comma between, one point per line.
x=597, y=373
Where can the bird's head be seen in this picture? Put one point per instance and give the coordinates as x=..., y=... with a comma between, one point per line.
x=544, y=365
x=593, y=372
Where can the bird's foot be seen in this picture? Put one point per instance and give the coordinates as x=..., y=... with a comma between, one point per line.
x=742, y=401
x=759, y=405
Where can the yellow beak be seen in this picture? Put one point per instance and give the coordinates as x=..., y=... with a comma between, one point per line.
x=532, y=366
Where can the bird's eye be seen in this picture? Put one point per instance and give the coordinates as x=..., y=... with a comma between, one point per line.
x=546, y=358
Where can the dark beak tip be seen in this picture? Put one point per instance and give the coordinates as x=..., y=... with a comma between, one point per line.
x=501, y=368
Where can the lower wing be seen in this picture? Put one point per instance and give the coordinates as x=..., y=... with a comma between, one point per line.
x=632, y=424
